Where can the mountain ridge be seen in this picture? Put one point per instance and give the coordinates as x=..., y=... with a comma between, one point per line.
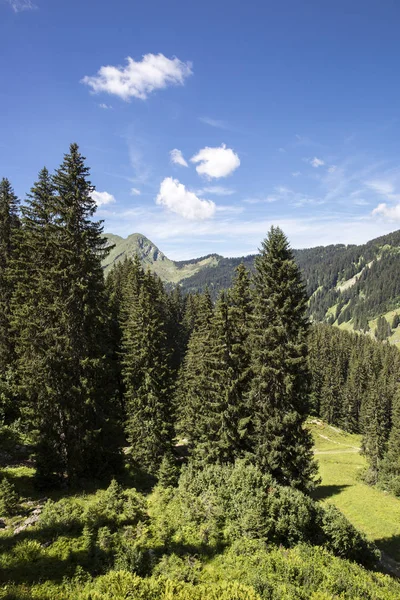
x=347, y=284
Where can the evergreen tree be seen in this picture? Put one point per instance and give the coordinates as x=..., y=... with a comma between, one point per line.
x=9, y=226
x=383, y=329
x=377, y=417
x=61, y=316
x=396, y=321
x=199, y=386
x=389, y=473
x=281, y=380
x=145, y=368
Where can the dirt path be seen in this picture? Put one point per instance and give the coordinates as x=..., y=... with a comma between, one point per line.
x=348, y=451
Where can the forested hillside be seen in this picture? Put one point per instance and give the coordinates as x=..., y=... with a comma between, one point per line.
x=154, y=444
x=347, y=284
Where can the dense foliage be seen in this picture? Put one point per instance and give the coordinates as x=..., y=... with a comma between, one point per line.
x=370, y=270
x=201, y=405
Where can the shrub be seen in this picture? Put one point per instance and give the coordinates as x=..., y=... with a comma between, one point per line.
x=28, y=551
x=9, y=498
x=344, y=540
x=62, y=516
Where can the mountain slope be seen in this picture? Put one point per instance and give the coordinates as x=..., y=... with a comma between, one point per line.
x=151, y=257
x=347, y=284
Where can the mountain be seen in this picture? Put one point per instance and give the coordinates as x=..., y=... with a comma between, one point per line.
x=151, y=257
x=348, y=285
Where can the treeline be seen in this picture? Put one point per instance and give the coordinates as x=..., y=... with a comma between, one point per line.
x=88, y=367
x=230, y=380
x=376, y=291
x=356, y=386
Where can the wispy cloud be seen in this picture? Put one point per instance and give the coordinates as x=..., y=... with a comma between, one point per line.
x=140, y=78
x=218, y=124
x=140, y=168
x=316, y=162
x=180, y=238
x=21, y=5
x=177, y=158
x=105, y=106
x=216, y=190
x=135, y=192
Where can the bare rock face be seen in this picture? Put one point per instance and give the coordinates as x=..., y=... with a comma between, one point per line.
x=31, y=520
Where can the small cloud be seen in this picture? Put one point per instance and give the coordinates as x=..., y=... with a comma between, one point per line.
x=296, y=173
x=174, y=196
x=214, y=123
x=217, y=190
x=139, y=78
x=177, y=158
x=102, y=198
x=135, y=192
x=282, y=150
x=332, y=169
x=361, y=202
x=389, y=212
x=216, y=162
x=105, y=106
x=316, y=162
x=21, y=5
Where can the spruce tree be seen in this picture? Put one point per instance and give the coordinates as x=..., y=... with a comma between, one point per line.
x=199, y=385
x=145, y=369
x=63, y=346
x=9, y=227
x=280, y=386
x=389, y=472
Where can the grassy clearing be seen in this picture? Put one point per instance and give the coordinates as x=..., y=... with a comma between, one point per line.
x=374, y=512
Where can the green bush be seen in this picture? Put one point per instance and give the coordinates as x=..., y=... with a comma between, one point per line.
x=344, y=540
x=9, y=498
x=221, y=504
x=62, y=516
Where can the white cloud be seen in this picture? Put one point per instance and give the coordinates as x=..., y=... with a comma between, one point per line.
x=139, y=78
x=391, y=213
x=332, y=169
x=102, y=198
x=316, y=162
x=105, y=106
x=216, y=162
x=174, y=196
x=177, y=158
x=135, y=192
x=217, y=190
x=296, y=173
x=21, y=5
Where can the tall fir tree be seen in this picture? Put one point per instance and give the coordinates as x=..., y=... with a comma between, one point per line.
x=9, y=227
x=280, y=386
x=64, y=345
x=389, y=472
x=199, y=385
x=146, y=373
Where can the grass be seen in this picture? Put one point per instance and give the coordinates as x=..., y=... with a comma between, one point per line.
x=371, y=510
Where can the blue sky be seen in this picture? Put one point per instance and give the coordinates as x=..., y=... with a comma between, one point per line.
x=205, y=123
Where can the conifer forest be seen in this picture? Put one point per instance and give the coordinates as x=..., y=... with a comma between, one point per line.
x=157, y=441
